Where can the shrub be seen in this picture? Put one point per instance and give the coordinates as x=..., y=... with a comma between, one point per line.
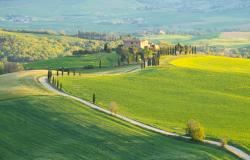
x=113, y=107
x=195, y=130
x=223, y=142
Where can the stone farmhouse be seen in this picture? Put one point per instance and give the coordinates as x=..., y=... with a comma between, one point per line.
x=141, y=44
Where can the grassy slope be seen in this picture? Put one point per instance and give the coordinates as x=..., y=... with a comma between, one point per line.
x=26, y=47
x=36, y=124
x=108, y=60
x=223, y=39
x=168, y=96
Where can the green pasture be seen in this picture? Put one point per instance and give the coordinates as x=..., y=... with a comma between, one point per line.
x=37, y=124
x=224, y=39
x=108, y=60
x=212, y=90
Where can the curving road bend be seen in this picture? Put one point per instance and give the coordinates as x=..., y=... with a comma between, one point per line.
x=43, y=80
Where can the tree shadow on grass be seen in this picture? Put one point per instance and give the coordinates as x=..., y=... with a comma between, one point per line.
x=41, y=127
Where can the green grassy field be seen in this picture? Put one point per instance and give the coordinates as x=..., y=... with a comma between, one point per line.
x=212, y=90
x=108, y=60
x=224, y=39
x=36, y=124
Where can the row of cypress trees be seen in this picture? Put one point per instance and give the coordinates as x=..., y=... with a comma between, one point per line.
x=178, y=49
x=53, y=81
x=62, y=71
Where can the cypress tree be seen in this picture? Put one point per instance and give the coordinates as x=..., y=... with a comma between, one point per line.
x=53, y=80
x=57, y=72
x=57, y=84
x=100, y=64
x=149, y=62
x=158, y=54
x=153, y=61
x=68, y=72
x=49, y=75
x=94, y=98
x=61, y=86
x=186, y=49
x=106, y=47
x=62, y=71
x=118, y=62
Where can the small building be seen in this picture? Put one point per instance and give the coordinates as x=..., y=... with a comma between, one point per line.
x=131, y=43
x=141, y=44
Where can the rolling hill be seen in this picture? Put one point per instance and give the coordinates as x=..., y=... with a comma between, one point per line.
x=126, y=16
x=213, y=90
x=37, y=124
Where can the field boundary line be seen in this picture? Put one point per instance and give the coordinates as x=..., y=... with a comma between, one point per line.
x=236, y=151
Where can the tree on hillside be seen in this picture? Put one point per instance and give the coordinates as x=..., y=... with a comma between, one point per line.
x=57, y=84
x=62, y=69
x=119, y=61
x=105, y=47
x=195, y=130
x=61, y=86
x=113, y=108
x=100, y=64
x=94, y=98
x=123, y=53
x=57, y=72
x=49, y=75
x=53, y=81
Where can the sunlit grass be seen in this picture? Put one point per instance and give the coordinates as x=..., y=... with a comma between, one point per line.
x=108, y=60
x=212, y=90
x=37, y=124
x=214, y=63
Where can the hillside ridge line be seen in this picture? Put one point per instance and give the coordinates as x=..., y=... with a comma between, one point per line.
x=236, y=151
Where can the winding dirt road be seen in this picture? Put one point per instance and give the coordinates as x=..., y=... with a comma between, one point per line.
x=232, y=149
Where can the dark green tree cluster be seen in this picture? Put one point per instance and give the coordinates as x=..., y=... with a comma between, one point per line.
x=147, y=56
x=154, y=60
x=20, y=47
x=128, y=55
x=84, y=52
x=97, y=36
x=54, y=82
x=62, y=71
x=178, y=50
x=9, y=67
x=107, y=48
